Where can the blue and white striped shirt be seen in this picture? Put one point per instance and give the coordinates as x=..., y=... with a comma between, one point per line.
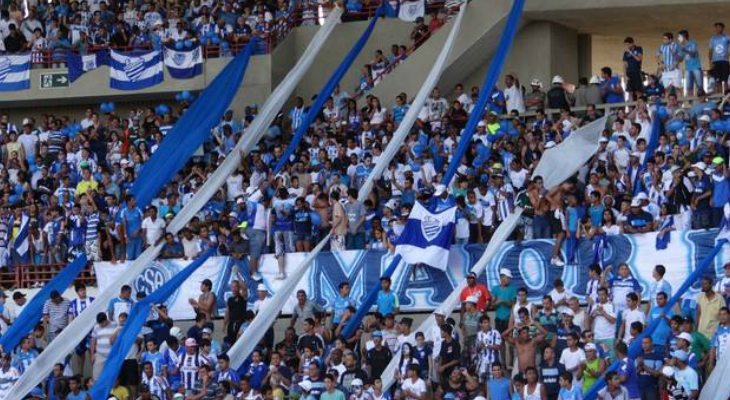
x=669, y=54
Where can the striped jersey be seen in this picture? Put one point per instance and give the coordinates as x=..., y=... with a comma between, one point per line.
x=92, y=228
x=79, y=305
x=57, y=313
x=103, y=337
x=158, y=385
x=189, y=366
x=669, y=54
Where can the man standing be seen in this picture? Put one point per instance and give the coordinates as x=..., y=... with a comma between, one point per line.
x=719, y=44
x=152, y=227
x=689, y=52
x=667, y=58
x=206, y=302
x=122, y=304
x=101, y=343
x=633, y=56
x=55, y=315
x=709, y=304
x=475, y=289
x=686, y=377
x=339, y=223
x=378, y=357
x=721, y=340
x=132, y=217
x=660, y=285
x=649, y=366
x=235, y=310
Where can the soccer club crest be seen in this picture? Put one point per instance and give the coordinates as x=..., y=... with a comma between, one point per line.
x=430, y=227
x=178, y=58
x=89, y=63
x=133, y=68
x=5, y=65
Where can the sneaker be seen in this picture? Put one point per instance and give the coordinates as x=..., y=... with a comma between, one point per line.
x=280, y=276
x=256, y=276
x=557, y=262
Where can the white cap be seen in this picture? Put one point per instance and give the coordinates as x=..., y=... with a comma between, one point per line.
x=482, y=124
x=558, y=79
x=178, y=396
x=636, y=154
x=691, y=174
x=642, y=196
x=261, y=287
x=603, y=140
x=570, y=312
x=26, y=121
x=711, y=139
x=439, y=189
x=594, y=79
x=668, y=371
x=471, y=299
x=550, y=144
x=505, y=272
x=704, y=118
x=176, y=332
x=700, y=165
x=356, y=382
x=536, y=82
x=590, y=346
x=686, y=336
x=636, y=202
x=391, y=204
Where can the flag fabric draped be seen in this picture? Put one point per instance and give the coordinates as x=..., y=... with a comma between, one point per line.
x=135, y=70
x=410, y=10
x=185, y=64
x=427, y=236
x=31, y=314
x=246, y=343
x=79, y=327
x=192, y=129
x=14, y=72
x=80, y=64
x=21, y=242
x=135, y=321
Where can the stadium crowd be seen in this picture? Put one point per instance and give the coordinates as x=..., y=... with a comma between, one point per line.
x=73, y=187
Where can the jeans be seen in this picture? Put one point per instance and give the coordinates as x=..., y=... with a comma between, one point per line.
x=134, y=248
x=692, y=79
x=702, y=219
x=355, y=241
x=540, y=227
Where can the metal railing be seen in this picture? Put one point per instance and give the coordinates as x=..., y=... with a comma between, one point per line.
x=30, y=276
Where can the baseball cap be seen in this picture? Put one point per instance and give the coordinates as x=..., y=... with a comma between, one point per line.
x=550, y=145
x=569, y=312
x=686, y=336
x=472, y=275
x=190, y=342
x=378, y=334
x=176, y=332
x=505, y=272
x=18, y=295
x=590, y=347
x=536, y=82
x=704, y=118
x=594, y=80
x=439, y=190
x=668, y=371
x=356, y=382
x=636, y=202
x=481, y=124
x=261, y=288
x=718, y=160
x=680, y=355
x=558, y=79
x=471, y=299
x=700, y=165
x=208, y=331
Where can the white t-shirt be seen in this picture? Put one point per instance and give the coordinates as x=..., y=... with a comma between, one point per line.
x=572, y=359
x=603, y=329
x=153, y=229
x=234, y=183
x=631, y=316
x=418, y=387
x=558, y=297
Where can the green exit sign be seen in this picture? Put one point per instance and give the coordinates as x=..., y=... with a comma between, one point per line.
x=54, y=80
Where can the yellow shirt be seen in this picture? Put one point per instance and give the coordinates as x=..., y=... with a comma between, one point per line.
x=121, y=393
x=710, y=316
x=84, y=186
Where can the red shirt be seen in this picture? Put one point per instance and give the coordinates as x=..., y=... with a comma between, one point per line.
x=480, y=292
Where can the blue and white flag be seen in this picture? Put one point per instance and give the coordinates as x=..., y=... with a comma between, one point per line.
x=724, y=232
x=135, y=70
x=20, y=242
x=184, y=64
x=410, y=10
x=14, y=72
x=78, y=64
x=427, y=237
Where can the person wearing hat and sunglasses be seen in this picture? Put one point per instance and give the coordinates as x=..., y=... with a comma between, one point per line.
x=477, y=290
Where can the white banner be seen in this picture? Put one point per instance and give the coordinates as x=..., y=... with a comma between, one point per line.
x=410, y=10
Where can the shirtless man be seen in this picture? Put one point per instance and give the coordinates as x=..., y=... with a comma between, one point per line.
x=526, y=346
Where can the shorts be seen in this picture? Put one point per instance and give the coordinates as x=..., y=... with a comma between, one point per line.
x=634, y=82
x=501, y=325
x=129, y=374
x=283, y=243
x=302, y=237
x=556, y=226
x=720, y=71
x=257, y=241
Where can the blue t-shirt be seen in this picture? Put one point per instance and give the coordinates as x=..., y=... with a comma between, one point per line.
x=627, y=368
x=654, y=361
x=339, y=307
x=612, y=97
x=690, y=53
x=499, y=389
x=574, y=393
x=662, y=332
x=257, y=373
x=720, y=190
x=133, y=218
x=387, y=302
x=719, y=46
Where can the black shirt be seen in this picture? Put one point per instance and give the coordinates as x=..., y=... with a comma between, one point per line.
x=350, y=375
x=550, y=375
x=632, y=65
x=450, y=352
x=236, y=308
x=378, y=360
x=313, y=341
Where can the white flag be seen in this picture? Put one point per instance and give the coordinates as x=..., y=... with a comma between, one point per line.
x=410, y=10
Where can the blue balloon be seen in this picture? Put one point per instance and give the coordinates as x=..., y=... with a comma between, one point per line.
x=662, y=112
x=179, y=45
x=717, y=125
x=111, y=106
x=188, y=43
x=316, y=218
x=225, y=45
x=186, y=95
x=178, y=98
x=31, y=159
x=215, y=39
x=418, y=149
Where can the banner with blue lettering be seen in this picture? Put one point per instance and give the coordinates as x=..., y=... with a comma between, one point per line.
x=14, y=72
x=78, y=64
x=135, y=70
x=529, y=262
x=184, y=64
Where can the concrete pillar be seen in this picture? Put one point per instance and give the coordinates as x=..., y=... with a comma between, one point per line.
x=585, y=56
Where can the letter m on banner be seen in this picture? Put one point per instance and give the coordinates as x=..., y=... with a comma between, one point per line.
x=332, y=268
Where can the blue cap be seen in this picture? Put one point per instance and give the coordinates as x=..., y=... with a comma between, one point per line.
x=680, y=355
x=378, y=334
x=37, y=392
x=449, y=396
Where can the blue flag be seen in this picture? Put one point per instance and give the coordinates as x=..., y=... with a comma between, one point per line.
x=135, y=70
x=78, y=64
x=14, y=72
x=427, y=237
x=184, y=64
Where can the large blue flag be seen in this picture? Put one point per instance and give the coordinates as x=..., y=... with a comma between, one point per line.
x=79, y=65
x=135, y=70
x=427, y=237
